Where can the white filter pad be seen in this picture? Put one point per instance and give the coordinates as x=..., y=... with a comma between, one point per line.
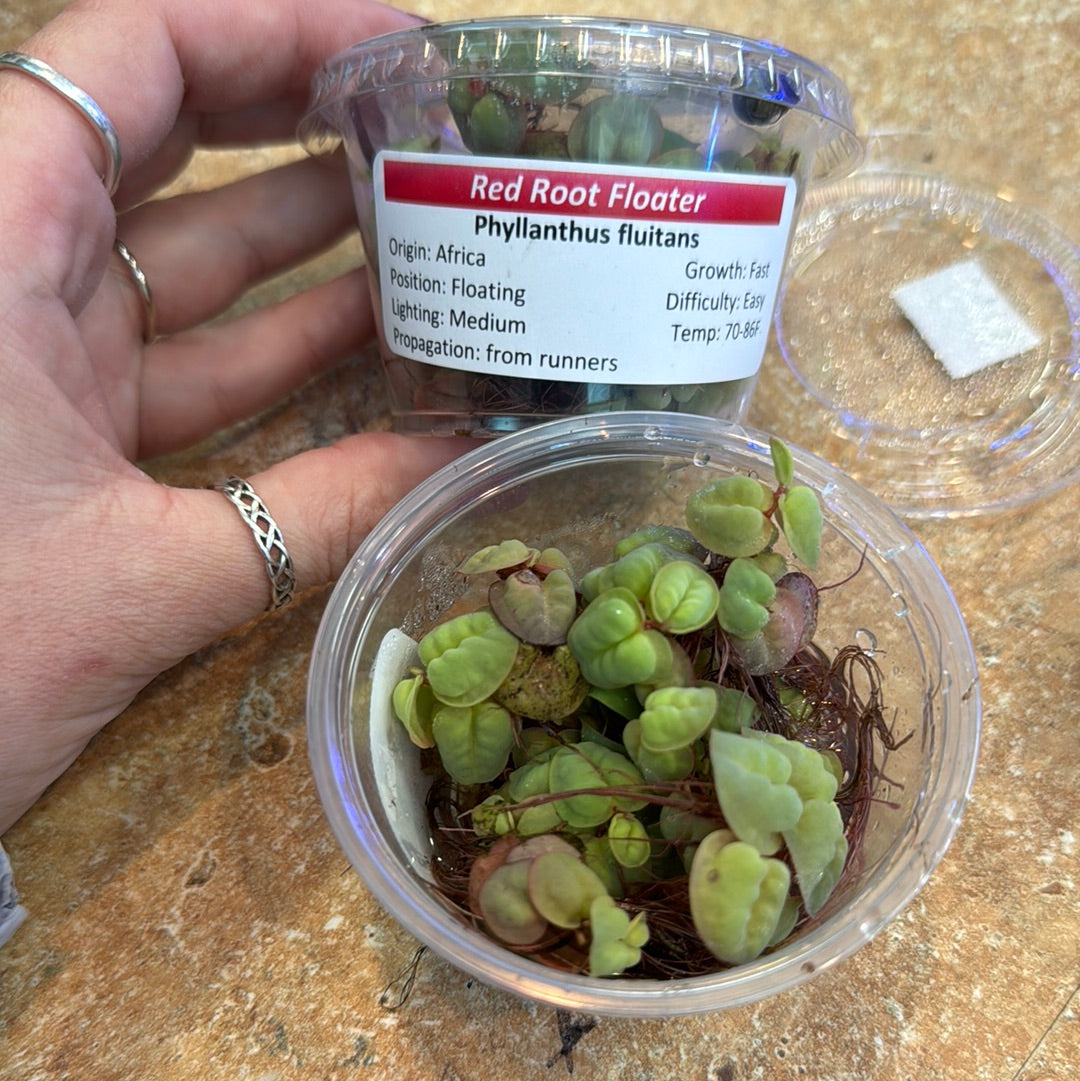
x=965, y=319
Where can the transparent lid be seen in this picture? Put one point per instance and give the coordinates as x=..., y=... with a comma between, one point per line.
x=933, y=326
x=555, y=45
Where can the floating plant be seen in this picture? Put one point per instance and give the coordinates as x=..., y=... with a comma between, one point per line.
x=648, y=769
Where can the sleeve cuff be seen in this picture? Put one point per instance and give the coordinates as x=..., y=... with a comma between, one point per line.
x=11, y=912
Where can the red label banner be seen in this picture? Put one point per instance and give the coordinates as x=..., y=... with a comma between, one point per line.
x=648, y=197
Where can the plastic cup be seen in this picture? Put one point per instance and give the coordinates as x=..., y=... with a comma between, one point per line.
x=572, y=215
x=579, y=483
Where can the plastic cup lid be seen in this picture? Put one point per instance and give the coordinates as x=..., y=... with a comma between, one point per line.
x=933, y=326
x=617, y=51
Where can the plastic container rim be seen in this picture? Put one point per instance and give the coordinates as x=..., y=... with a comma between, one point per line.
x=726, y=61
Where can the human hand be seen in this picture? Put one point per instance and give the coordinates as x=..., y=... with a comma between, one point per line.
x=106, y=577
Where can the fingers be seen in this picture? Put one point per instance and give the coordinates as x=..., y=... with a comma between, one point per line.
x=327, y=500
x=269, y=122
x=324, y=502
x=202, y=251
x=145, y=62
x=195, y=383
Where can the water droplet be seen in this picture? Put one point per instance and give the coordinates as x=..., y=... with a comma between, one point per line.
x=653, y=434
x=701, y=457
x=866, y=641
x=900, y=605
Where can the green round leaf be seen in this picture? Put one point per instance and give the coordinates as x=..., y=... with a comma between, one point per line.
x=795, y=703
x=506, y=909
x=535, y=847
x=681, y=158
x=545, y=73
x=473, y=741
x=735, y=710
x=496, y=126
x=673, y=665
x=532, y=779
x=461, y=96
x=745, y=594
x=657, y=765
x=751, y=778
x=833, y=765
x=532, y=742
x=789, y=916
x=646, y=397
x=683, y=597
x=620, y=700
x=783, y=464
x=675, y=717
x=467, y=657
x=598, y=857
x=610, y=643
x=772, y=563
x=726, y=516
x=536, y=610
x=413, y=705
x=629, y=840
x=800, y=518
x=590, y=732
x=678, y=824
x=552, y=559
x=811, y=774
x=679, y=540
x=615, y=939
x=818, y=850
x=589, y=769
x=622, y=128
x=634, y=571
x=816, y=842
x=573, y=772
x=492, y=818
x=498, y=557
x=539, y=820
x=737, y=897
x=789, y=627
x=562, y=889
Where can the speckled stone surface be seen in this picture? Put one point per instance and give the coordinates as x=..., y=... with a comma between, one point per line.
x=192, y=917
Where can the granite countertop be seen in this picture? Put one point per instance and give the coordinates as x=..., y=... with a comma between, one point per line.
x=192, y=916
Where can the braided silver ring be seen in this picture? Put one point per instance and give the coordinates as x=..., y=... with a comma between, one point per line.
x=138, y=276
x=89, y=109
x=268, y=539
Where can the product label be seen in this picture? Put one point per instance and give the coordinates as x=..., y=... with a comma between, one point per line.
x=569, y=271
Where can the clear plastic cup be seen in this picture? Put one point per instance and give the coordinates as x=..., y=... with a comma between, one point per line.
x=579, y=483
x=571, y=215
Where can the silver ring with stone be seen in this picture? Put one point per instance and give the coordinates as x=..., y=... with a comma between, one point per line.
x=268, y=539
x=138, y=276
x=89, y=109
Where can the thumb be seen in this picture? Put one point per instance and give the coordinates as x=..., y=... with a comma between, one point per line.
x=324, y=502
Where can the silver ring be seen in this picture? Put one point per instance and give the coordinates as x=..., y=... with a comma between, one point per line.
x=138, y=275
x=268, y=539
x=90, y=110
